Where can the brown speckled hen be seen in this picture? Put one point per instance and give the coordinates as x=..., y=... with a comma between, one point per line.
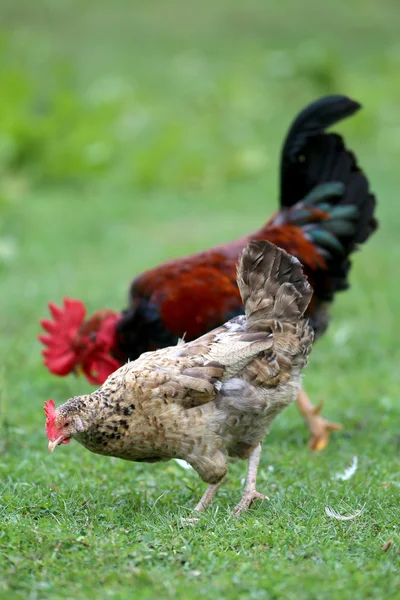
x=211, y=398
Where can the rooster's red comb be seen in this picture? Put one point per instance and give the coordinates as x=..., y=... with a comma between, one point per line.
x=49, y=409
x=59, y=354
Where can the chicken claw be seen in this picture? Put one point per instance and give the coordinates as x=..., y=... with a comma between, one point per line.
x=250, y=493
x=207, y=497
x=247, y=501
x=204, y=503
x=318, y=426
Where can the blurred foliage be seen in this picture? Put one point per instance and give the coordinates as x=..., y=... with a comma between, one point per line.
x=61, y=131
x=163, y=98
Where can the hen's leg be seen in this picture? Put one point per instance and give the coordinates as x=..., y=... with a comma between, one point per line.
x=205, y=502
x=318, y=426
x=208, y=496
x=250, y=493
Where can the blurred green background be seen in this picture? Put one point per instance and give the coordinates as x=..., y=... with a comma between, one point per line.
x=136, y=131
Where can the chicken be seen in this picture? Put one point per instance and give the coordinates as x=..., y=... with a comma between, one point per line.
x=211, y=398
x=327, y=210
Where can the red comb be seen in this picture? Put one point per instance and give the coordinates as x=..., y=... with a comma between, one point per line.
x=60, y=356
x=71, y=341
x=49, y=409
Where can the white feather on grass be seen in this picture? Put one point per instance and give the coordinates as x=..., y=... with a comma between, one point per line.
x=333, y=514
x=349, y=472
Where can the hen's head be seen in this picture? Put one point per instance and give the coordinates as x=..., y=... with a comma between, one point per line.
x=74, y=344
x=61, y=424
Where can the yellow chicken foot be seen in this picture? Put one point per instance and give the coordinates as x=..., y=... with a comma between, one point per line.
x=250, y=493
x=318, y=426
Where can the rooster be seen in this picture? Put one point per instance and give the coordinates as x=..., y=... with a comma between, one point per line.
x=326, y=211
x=210, y=398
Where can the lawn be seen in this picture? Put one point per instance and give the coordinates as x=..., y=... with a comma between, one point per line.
x=133, y=132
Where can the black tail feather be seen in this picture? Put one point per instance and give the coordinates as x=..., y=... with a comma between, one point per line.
x=301, y=169
x=319, y=172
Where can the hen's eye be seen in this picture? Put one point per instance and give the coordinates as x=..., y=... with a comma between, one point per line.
x=66, y=424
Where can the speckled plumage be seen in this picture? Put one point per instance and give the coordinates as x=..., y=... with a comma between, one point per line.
x=216, y=396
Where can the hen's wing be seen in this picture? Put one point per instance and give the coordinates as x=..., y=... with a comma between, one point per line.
x=189, y=374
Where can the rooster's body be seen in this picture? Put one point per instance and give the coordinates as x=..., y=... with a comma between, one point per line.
x=211, y=398
x=327, y=210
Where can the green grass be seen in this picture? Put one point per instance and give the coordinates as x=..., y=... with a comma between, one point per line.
x=133, y=132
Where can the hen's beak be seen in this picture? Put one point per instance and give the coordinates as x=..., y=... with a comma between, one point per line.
x=52, y=445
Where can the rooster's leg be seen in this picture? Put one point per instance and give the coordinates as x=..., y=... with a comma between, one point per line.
x=208, y=496
x=318, y=426
x=250, y=493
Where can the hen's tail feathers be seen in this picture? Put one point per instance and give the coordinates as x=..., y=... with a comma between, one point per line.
x=272, y=284
x=302, y=166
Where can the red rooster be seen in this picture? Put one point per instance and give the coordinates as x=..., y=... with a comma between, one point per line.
x=326, y=211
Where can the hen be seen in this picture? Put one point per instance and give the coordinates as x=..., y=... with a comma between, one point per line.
x=208, y=399
x=327, y=210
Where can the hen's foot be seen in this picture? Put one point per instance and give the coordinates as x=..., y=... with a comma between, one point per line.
x=250, y=494
x=207, y=497
x=247, y=500
x=203, y=504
